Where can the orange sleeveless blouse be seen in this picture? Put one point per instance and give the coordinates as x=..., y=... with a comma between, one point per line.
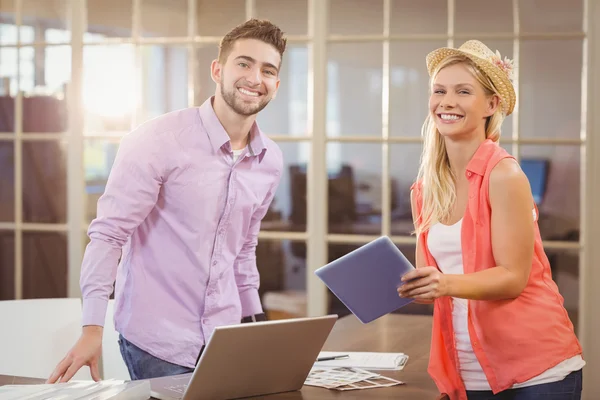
x=514, y=340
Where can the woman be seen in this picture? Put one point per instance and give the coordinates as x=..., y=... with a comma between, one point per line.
x=499, y=328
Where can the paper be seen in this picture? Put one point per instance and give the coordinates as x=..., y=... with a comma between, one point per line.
x=347, y=379
x=365, y=360
x=86, y=390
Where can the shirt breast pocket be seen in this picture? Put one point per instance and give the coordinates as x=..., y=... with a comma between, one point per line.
x=248, y=199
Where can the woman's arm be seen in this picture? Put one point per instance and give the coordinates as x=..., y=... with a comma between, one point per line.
x=512, y=245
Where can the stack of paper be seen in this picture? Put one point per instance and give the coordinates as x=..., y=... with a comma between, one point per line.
x=347, y=379
x=83, y=390
x=385, y=361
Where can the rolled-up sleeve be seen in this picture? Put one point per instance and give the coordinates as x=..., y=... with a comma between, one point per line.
x=131, y=193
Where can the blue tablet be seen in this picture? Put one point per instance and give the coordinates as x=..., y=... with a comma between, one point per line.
x=366, y=280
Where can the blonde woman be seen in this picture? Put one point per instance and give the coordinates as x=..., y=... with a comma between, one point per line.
x=499, y=327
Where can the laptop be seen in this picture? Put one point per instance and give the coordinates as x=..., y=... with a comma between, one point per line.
x=366, y=280
x=251, y=359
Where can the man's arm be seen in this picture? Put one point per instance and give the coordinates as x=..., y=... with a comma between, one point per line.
x=131, y=193
x=247, y=277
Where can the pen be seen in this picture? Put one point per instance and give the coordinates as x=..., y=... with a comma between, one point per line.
x=340, y=357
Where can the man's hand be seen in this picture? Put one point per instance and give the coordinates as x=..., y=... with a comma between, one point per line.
x=86, y=351
x=423, y=284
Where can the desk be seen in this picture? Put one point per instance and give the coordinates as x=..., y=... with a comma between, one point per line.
x=409, y=334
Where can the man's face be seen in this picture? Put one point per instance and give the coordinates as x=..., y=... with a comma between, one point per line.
x=249, y=78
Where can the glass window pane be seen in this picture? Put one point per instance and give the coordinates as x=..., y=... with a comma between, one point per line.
x=355, y=17
x=423, y=16
x=161, y=18
x=204, y=86
x=218, y=18
x=271, y=259
x=57, y=69
x=44, y=265
x=112, y=18
x=8, y=30
x=7, y=265
x=354, y=79
x=558, y=16
x=554, y=176
x=45, y=105
x=44, y=182
x=285, y=296
x=550, y=88
x=57, y=35
x=48, y=13
x=290, y=15
x=354, y=182
x=404, y=166
x=409, y=86
x=110, y=89
x=475, y=16
x=98, y=158
x=164, y=76
x=27, y=72
x=7, y=181
x=288, y=209
x=287, y=114
x=8, y=70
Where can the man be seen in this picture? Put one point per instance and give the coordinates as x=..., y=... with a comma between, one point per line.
x=184, y=202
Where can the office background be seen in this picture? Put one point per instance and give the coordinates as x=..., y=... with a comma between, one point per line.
x=76, y=75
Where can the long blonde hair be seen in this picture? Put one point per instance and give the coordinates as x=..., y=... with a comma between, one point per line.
x=435, y=175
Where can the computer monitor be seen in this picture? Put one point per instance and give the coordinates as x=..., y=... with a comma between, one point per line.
x=536, y=171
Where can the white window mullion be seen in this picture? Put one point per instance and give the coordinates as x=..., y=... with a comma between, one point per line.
x=386, y=197
x=18, y=160
x=75, y=166
x=516, y=121
x=250, y=9
x=589, y=260
x=317, y=166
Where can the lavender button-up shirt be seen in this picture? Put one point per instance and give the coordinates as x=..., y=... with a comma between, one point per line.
x=183, y=219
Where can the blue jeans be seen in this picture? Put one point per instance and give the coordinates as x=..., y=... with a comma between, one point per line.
x=142, y=365
x=567, y=389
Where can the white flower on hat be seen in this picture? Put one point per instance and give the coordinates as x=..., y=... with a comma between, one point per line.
x=505, y=65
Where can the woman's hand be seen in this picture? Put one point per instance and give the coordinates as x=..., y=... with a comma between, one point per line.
x=424, y=285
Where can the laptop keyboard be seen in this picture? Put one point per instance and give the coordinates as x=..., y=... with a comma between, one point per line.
x=177, y=388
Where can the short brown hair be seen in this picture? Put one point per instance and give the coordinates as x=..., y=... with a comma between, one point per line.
x=259, y=29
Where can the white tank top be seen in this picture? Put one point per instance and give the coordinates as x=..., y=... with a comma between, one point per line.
x=444, y=244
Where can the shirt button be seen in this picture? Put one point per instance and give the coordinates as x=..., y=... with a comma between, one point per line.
x=215, y=262
x=231, y=201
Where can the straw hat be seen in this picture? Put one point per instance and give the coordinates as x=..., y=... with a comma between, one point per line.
x=498, y=70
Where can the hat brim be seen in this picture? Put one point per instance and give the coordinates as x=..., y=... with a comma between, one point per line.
x=498, y=77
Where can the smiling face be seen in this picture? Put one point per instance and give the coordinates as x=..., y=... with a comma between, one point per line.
x=459, y=104
x=249, y=77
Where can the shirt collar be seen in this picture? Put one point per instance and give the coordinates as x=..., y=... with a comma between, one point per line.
x=219, y=137
x=479, y=161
